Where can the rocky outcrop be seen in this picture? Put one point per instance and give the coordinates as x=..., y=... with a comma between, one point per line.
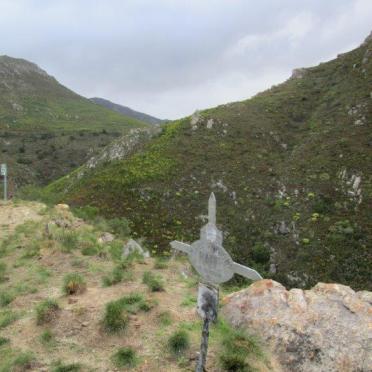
x=327, y=328
x=131, y=246
x=123, y=147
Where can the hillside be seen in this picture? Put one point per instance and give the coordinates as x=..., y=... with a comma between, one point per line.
x=290, y=168
x=70, y=302
x=46, y=130
x=127, y=111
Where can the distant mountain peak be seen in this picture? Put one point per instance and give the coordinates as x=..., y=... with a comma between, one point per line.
x=127, y=111
x=19, y=66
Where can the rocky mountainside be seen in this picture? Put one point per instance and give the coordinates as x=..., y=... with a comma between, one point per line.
x=127, y=111
x=46, y=130
x=290, y=168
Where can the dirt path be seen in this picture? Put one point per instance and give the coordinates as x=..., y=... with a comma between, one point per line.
x=13, y=214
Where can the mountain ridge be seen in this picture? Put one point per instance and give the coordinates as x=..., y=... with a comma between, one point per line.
x=127, y=111
x=289, y=168
x=46, y=129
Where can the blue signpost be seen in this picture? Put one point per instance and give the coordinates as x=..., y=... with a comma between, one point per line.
x=4, y=173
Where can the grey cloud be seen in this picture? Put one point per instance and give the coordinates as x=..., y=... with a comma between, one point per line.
x=169, y=57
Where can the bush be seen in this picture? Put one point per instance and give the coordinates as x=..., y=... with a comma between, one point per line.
x=4, y=341
x=73, y=283
x=260, y=253
x=5, y=298
x=46, y=311
x=119, y=227
x=2, y=272
x=90, y=250
x=60, y=367
x=179, y=342
x=234, y=362
x=115, y=319
x=7, y=317
x=23, y=361
x=68, y=239
x=125, y=358
x=47, y=338
x=116, y=314
x=160, y=263
x=237, y=347
x=154, y=282
x=115, y=277
x=87, y=213
x=165, y=318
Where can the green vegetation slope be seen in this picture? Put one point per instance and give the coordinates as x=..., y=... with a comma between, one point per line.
x=291, y=169
x=46, y=130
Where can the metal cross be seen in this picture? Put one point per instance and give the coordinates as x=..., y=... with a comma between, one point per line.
x=215, y=266
x=208, y=256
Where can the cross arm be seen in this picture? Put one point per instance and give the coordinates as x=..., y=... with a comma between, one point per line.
x=246, y=272
x=179, y=246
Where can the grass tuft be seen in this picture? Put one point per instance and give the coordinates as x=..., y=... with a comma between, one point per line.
x=46, y=311
x=47, y=338
x=6, y=298
x=7, y=317
x=154, y=282
x=165, y=318
x=60, y=367
x=125, y=357
x=73, y=283
x=115, y=319
x=179, y=342
x=237, y=348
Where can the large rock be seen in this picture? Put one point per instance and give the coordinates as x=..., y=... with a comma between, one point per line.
x=132, y=246
x=327, y=328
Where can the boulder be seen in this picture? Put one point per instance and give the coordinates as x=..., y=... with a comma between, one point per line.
x=106, y=237
x=327, y=328
x=132, y=246
x=62, y=207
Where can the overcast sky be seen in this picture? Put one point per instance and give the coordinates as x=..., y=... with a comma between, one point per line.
x=170, y=57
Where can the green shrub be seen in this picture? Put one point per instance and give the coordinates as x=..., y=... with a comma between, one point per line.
x=2, y=272
x=260, y=253
x=73, y=283
x=115, y=277
x=23, y=361
x=179, y=342
x=7, y=317
x=165, y=318
x=119, y=227
x=60, y=367
x=4, y=341
x=47, y=337
x=234, y=362
x=160, y=263
x=237, y=347
x=117, y=312
x=6, y=298
x=125, y=357
x=134, y=302
x=89, y=250
x=87, y=213
x=116, y=248
x=68, y=239
x=189, y=301
x=46, y=311
x=116, y=319
x=154, y=282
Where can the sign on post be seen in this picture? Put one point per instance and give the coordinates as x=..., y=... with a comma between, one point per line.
x=4, y=173
x=215, y=266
